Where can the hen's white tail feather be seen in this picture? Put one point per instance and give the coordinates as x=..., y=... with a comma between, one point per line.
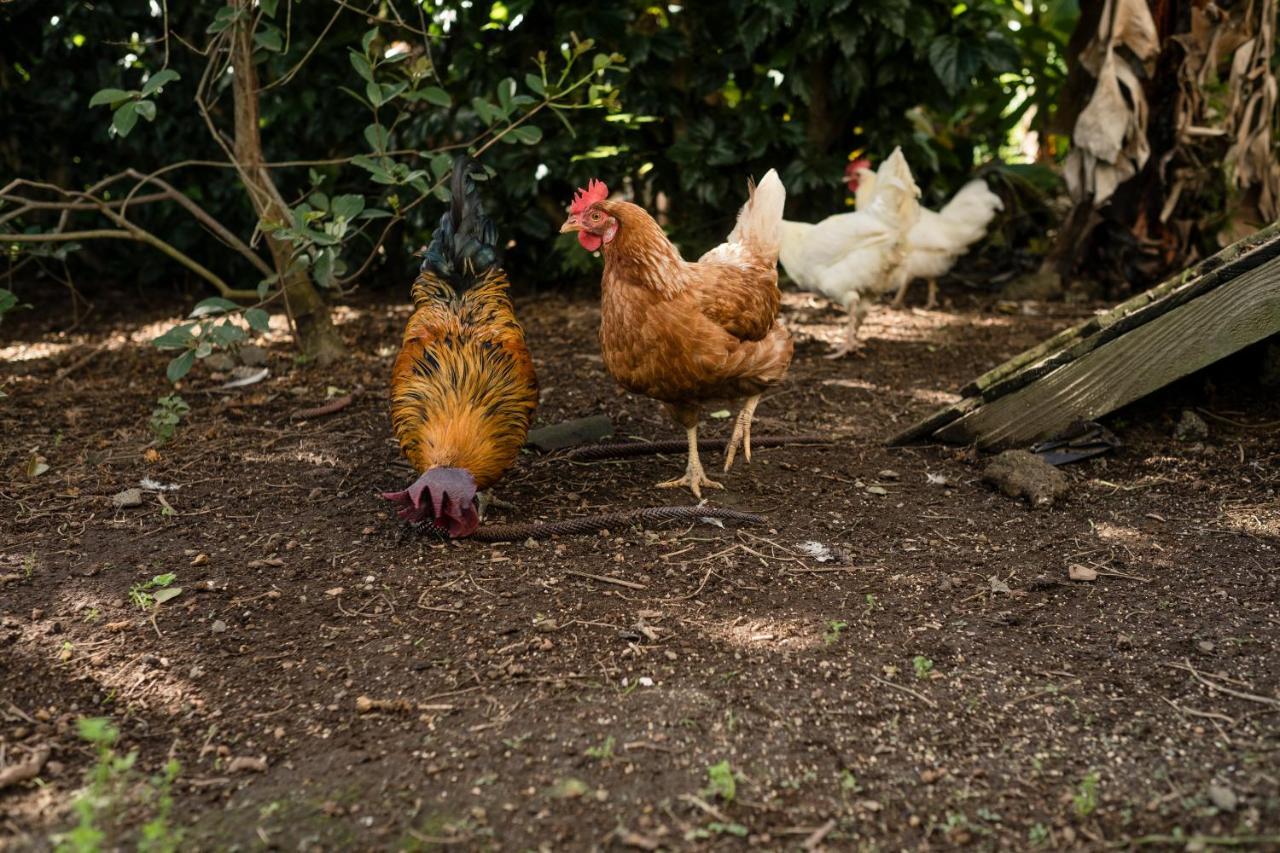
x=759, y=225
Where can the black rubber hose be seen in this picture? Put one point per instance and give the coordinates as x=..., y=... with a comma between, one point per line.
x=627, y=449
x=593, y=523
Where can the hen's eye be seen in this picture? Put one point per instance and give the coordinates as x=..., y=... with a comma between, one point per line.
x=595, y=216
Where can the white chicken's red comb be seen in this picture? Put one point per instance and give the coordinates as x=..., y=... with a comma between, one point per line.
x=582, y=199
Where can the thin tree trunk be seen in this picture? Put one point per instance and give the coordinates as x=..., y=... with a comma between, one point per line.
x=317, y=337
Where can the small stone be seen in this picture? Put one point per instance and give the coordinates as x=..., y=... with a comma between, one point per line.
x=888, y=474
x=877, y=490
x=218, y=627
x=253, y=356
x=1018, y=473
x=1223, y=797
x=219, y=362
x=127, y=499
x=200, y=560
x=1205, y=646
x=1191, y=427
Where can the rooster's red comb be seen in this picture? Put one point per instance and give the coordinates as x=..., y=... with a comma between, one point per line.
x=852, y=169
x=582, y=199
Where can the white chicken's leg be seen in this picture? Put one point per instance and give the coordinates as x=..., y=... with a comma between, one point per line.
x=900, y=298
x=851, y=343
x=741, y=433
x=932, y=301
x=694, y=477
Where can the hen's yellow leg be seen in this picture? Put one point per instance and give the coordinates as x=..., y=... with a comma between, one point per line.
x=932, y=301
x=694, y=477
x=742, y=433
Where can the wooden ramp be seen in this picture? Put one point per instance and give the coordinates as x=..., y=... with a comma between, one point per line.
x=1219, y=306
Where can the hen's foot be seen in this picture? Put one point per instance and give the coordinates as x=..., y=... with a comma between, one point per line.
x=695, y=478
x=741, y=433
x=847, y=348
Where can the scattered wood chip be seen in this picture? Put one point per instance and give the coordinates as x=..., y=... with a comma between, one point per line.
x=122, y=625
x=23, y=771
x=816, y=837
x=1077, y=572
x=247, y=763
x=366, y=705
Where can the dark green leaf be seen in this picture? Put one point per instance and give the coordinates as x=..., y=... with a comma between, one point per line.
x=270, y=39
x=483, y=109
x=374, y=93
x=268, y=7
x=368, y=38
x=147, y=109
x=528, y=134
x=361, y=64
x=225, y=334
x=534, y=82
x=109, y=96
x=181, y=365
x=179, y=337
x=436, y=95
x=124, y=118
x=506, y=89
x=954, y=61
x=213, y=305
x=258, y=319
x=374, y=213
x=348, y=206
x=158, y=81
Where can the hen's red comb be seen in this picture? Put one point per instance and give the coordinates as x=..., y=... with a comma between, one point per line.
x=582, y=199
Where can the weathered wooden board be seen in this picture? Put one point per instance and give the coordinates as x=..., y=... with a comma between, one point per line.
x=1128, y=366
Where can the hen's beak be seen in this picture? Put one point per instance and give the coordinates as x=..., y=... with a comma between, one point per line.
x=570, y=225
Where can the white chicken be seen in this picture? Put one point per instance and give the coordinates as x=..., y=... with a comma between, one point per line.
x=938, y=238
x=852, y=256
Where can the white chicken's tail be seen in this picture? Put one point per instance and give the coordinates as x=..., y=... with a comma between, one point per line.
x=759, y=226
x=897, y=192
x=972, y=209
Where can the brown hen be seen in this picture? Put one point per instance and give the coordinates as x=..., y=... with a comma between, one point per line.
x=688, y=334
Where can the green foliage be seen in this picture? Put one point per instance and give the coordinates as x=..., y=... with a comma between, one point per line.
x=922, y=666
x=209, y=329
x=603, y=752
x=113, y=788
x=165, y=417
x=834, y=629
x=143, y=596
x=721, y=782
x=711, y=93
x=1085, y=799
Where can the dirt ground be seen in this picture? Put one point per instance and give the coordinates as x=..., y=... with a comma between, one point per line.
x=925, y=676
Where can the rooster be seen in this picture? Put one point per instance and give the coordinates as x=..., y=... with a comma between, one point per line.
x=849, y=256
x=463, y=388
x=938, y=238
x=690, y=333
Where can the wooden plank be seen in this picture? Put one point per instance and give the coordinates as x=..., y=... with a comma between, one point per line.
x=936, y=421
x=1209, y=273
x=1132, y=365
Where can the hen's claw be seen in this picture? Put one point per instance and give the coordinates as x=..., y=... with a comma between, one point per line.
x=741, y=433
x=694, y=479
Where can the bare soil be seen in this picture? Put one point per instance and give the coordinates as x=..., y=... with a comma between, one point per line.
x=924, y=676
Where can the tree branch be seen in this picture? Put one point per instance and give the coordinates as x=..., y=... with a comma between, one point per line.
x=141, y=236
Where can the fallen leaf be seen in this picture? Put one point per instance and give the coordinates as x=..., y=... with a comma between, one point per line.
x=997, y=585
